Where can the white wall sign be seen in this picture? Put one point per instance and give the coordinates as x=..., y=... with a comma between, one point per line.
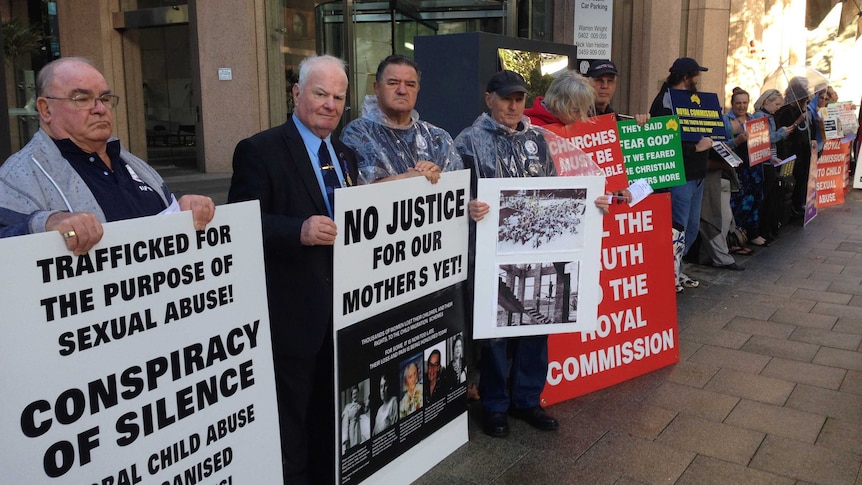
x=593, y=28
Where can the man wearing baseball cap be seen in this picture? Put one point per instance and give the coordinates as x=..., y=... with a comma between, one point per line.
x=499, y=144
x=686, y=199
x=603, y=75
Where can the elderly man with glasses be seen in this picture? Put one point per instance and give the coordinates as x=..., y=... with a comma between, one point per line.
x=72, y=176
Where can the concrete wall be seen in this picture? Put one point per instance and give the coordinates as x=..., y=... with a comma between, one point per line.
x=235, y=109
x=86, y=30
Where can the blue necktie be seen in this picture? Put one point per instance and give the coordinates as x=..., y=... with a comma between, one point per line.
x=330, y=178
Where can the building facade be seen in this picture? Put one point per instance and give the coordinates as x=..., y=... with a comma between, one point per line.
x=197, y=76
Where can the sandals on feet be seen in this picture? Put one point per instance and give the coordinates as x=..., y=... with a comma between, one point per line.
x=741, y=250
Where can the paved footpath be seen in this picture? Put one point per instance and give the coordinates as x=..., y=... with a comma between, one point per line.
x=768, y=388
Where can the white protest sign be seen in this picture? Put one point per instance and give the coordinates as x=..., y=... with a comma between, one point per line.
x=538, y=256
x=146, y=360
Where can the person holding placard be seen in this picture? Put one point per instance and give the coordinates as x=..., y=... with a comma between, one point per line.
x=686, y=199
x=504, y=143
x=390, y=140
x=73, y=176
x=765, y=107
x=293, y=170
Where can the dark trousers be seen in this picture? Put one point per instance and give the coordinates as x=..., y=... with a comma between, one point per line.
x=306, y=414
x=519, y=386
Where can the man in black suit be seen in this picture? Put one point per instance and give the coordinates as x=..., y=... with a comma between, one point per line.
x=289, y=169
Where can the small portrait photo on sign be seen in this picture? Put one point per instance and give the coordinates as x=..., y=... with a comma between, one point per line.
x=355, y=415
x=436, y=386
x=457, y=369
x=411, y=386
x=385, y=405
x=541, y=220
x=537, y=293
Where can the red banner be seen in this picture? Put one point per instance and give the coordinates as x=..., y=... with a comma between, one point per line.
x=598, y=137
x=759, y=146
x=831, y=172
x=637, y=315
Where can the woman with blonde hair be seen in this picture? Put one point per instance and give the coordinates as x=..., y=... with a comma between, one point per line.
x=569, y=98
x=765, y=107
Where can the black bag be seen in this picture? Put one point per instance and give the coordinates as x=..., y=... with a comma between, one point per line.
x=785, y=185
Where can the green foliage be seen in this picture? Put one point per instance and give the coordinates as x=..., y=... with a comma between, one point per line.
x=20, y=38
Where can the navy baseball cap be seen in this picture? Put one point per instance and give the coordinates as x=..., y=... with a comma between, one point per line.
x=602, y=67
x=505, y=83
x=685, y=65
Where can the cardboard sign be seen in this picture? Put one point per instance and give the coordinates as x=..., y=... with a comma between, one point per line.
x=653, y=152
x=637, y=321
x=599, y=138
x=537, y=271
x=699, y=115
x=399, y=298
x=832, y=167
x=759, y=145
x=146, y=360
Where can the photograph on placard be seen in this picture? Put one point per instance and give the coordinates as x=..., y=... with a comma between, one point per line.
x=541, y=220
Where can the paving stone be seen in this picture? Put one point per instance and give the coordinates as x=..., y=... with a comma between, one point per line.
x=776, y=420
x=720, y=338
x=824, y=296
x=842, y=311
x=855, y=301
x=845, y=277
x=730, y=359
x=617, y=455
x=841, y=435
x=818, y=266
x=852, y=382
x=827, y=338
x=753, y=309
x=804, y=461
x=637, y=419
x=485, y=458
x=845, y=288
x=760, y=327
x=687, y=348
x=845, y=359
x=826, y=402
x=781, y=348
x=710, y=471
x=691, y=374
x=804, y=319
x=750, y=386
x=710, y=438
x=794, y=281
x=805, y=373
x=692, y=401
x=848, y=325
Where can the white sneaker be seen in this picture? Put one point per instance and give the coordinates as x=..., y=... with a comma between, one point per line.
x=687, y=282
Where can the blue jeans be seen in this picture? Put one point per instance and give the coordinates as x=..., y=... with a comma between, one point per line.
x=525, y=379
x=685, y=202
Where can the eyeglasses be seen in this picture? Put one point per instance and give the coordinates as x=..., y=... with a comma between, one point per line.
x=88, y=101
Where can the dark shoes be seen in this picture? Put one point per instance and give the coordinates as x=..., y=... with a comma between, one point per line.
x=496, y=425
x=535, y=417
x=731, y=266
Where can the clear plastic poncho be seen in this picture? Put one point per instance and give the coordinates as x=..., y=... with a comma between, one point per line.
x=528, y=151
x=384, y=149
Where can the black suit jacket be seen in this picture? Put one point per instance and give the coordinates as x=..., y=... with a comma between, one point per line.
x=274, y=168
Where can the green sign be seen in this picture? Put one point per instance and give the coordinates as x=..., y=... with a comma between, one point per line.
x=653, y=151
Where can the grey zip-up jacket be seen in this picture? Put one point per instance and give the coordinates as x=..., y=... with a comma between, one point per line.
x=37, y=181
